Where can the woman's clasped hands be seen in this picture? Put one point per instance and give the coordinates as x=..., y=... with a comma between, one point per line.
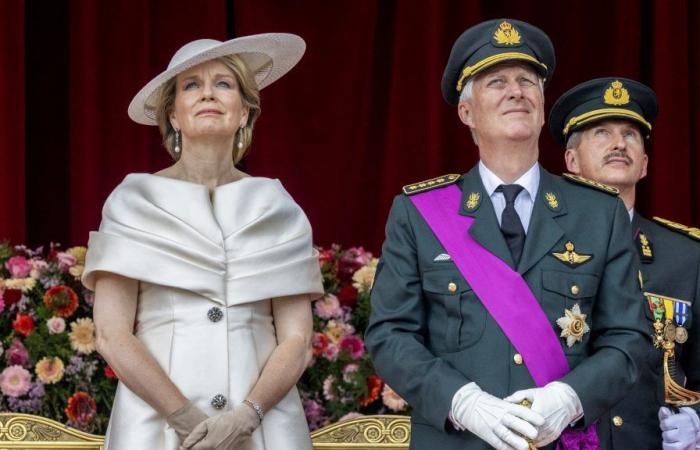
x=228, y=431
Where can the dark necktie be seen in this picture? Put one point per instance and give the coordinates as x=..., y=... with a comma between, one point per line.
x=511, y=227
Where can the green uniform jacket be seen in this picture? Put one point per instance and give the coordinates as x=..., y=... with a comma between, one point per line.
x=428, y=339
x=673, y=271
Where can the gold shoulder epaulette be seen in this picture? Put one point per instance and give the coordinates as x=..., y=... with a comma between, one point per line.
x=591, y=183
x=683, y=229
x=432, y=183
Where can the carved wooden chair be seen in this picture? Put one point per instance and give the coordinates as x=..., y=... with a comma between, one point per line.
x=33, y=432
x=24, y=431
x=364, y=433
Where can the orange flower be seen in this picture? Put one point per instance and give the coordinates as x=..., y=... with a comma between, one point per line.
x=23, y=324
x=62, y=300
x=81, y=408
x=374, y=388
x=49, y=369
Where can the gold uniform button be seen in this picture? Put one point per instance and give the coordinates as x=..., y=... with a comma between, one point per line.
x=518, y=358
x=617, y=421
x=574, y=289
x=452, y=287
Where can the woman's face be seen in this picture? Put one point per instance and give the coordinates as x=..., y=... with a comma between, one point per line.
x=208, y=102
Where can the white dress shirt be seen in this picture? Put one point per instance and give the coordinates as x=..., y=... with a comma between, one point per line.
x=525, y=200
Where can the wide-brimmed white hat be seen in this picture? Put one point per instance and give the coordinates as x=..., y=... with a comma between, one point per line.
x=268, y=56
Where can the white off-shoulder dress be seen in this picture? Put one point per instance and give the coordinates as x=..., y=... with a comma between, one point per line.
x=208, y=267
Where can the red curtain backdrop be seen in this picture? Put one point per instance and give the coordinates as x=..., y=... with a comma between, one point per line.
x=361, y=114
x=12, y=167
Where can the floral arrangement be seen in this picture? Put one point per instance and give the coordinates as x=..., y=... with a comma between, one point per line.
x=340, y=382
x=49, y=366
x=48, y=363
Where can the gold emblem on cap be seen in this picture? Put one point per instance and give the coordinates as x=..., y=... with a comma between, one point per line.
x=616, y=94
x=551, y=200
x=473, y=200
x=570, y=256
x=506, y=34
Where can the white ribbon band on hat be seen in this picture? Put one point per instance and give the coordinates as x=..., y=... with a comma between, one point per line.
x=268, y=56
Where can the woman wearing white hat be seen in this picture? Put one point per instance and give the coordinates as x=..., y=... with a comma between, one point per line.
x=203, y=275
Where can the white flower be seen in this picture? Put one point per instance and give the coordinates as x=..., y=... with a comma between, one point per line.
x=56, y=325
x=363, y=279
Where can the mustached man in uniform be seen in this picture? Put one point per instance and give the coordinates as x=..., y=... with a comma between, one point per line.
x=506, y=308
x=603, y=124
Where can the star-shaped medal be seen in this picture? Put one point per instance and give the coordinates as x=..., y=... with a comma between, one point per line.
x=573, y=325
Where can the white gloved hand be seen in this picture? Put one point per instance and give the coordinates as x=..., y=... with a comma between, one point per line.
x=501, y=424
x=557, y=403
x=680, y=431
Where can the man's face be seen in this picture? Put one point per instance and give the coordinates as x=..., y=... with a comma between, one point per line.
x=610, y=152
x=507, y=103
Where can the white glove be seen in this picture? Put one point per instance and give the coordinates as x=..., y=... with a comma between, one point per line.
x=501, y=424
x=557, y=403
x=680, y=431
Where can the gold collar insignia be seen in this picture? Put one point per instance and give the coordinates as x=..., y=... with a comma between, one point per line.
x=473, y=201
x=552, y=201
x=616, y=94
x=645, y=248
x=570, y=257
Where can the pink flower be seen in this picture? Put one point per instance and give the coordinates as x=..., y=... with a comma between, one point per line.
x=38, y=267
x=319, y=343
x=56, y=325
x=330, y=352
x=350, y=416
x=17, y=354
x=359, y=255
x=15, y=381
x=65, y=261
x=328, y=307
x=18, y=266
x=348, y=371
x=329, y=388
x=2, y=303
x=392, y=400
x=354, y=346
x=315, y=413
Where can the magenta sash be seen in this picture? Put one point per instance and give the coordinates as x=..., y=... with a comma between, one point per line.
x=504, y=293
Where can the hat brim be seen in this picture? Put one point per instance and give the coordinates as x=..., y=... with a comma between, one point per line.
x=268, y=56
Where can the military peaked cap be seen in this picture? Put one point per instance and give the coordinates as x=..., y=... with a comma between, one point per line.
x=601, y=99
x=493, y=42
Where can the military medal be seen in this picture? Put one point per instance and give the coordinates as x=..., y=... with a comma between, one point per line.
x=670, y=331
x=573, y=325
x=681, y=335
x=680, y=310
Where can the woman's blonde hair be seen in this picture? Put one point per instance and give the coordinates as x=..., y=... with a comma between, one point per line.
x=250, y=98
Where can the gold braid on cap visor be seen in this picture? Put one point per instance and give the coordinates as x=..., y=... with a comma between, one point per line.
x=602, y=113
x=491, y=60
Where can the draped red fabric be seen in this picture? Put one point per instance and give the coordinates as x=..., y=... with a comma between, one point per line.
x=362, y=113
x=115, y=48
x=12, y=160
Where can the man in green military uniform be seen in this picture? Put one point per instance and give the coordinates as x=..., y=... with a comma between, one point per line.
x=506, y=307
x=603, y=123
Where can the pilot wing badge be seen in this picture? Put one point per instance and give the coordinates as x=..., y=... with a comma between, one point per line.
x=570, y=258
